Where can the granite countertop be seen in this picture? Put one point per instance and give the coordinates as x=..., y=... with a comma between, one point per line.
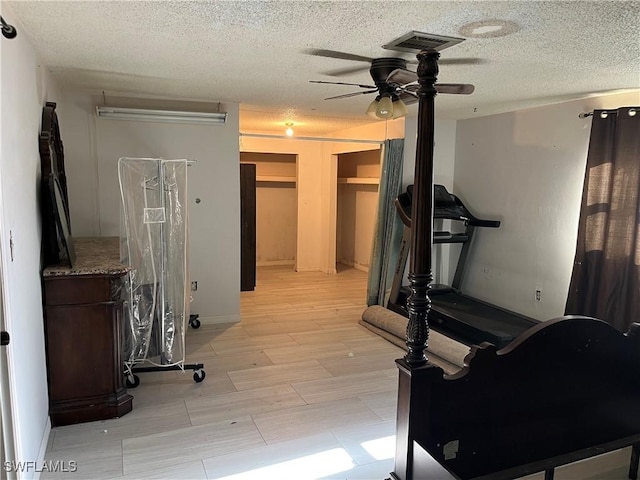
x=94, y=256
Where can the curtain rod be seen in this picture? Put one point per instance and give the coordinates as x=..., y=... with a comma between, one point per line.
x=632, y=112
x=316, y=139
x=9, y=31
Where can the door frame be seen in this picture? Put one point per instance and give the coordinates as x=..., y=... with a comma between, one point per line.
x=7, y=435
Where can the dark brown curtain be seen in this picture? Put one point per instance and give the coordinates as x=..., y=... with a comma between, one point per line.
x=606, y=273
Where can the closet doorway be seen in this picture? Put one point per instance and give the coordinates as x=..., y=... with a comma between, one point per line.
x=276, y=212
x=357, y=203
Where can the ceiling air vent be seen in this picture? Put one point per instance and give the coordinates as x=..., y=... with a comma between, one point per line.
x=417, y=41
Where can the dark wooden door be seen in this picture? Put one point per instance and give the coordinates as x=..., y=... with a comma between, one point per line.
x=248, y=227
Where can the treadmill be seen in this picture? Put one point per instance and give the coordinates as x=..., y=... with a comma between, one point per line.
x=458, y=316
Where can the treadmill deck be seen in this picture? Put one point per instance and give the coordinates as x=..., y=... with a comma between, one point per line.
x=471, y=321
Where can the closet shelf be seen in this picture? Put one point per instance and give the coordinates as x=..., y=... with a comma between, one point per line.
x=359, y=180
x=275, y=178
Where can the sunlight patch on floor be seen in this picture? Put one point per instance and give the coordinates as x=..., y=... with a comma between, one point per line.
x=309, y=467
x=381, y=448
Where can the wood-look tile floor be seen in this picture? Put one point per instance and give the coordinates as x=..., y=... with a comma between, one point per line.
x=297, y=390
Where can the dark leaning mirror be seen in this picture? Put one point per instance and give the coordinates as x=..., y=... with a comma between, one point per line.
x=63, y=224
x=57, y=246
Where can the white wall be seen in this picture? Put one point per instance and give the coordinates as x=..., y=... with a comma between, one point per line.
x=443, y=156
x=92, y=148
x=526, y=169
x=25, y=87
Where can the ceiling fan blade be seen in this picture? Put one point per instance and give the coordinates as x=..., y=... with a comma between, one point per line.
x=411, y=87
x=318, y=52
x=457, y=88
x=408, y=97
x=461, y=61
x=347, y=95
x=402, y=76
x=343, y=83
x=341, y=72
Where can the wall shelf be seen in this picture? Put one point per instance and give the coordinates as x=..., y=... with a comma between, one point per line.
x=275, y=178
x=359, y=180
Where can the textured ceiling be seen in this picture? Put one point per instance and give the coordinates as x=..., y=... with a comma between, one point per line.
x=254, y=53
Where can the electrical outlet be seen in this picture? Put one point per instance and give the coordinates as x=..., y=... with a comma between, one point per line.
x=194, y=286
x=538, y=295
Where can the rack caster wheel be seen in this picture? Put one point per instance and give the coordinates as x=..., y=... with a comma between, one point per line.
x=198, y=376
x=194, y=322
x=132, y=381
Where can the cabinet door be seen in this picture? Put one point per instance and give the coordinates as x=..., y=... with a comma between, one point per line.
x=248, y=226
x=80, y=350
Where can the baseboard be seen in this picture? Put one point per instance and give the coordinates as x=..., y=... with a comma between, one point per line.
x=43, y=447
x=330, y=271
x=275, y=263
x=352, y=264
x=215, y=320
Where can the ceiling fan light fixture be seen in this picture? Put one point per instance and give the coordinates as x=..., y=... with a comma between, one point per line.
x=373, y=108
x=399, y=109
x=385, y=108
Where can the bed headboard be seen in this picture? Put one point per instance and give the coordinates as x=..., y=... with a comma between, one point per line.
x=564, y=385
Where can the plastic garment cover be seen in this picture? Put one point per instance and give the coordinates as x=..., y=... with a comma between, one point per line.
x=154, y=244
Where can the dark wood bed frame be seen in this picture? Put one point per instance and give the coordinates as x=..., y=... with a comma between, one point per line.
x=565, y=390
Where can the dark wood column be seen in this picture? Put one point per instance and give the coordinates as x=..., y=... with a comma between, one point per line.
x=414, y=366
x=420, y=275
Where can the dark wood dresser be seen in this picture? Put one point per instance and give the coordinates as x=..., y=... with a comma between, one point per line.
x=83, y=332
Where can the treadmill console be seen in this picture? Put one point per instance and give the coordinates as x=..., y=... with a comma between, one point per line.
x=446, y=205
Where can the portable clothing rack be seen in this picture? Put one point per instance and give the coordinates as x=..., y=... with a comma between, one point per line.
x=154, y=244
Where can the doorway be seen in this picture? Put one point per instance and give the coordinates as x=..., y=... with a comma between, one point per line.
x=276, y=207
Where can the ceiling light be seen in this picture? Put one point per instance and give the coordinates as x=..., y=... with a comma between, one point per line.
x=164, y=116
x=373, y=107
x=399, y=109
x=386, y=107
x=489, y=28
x=289, y=130
x=486, y=29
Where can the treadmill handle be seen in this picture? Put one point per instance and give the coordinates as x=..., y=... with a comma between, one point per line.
x=403, y=206
x=476, y=222
x=402, y=211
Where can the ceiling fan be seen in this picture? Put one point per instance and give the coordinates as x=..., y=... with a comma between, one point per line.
x=395, y=85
